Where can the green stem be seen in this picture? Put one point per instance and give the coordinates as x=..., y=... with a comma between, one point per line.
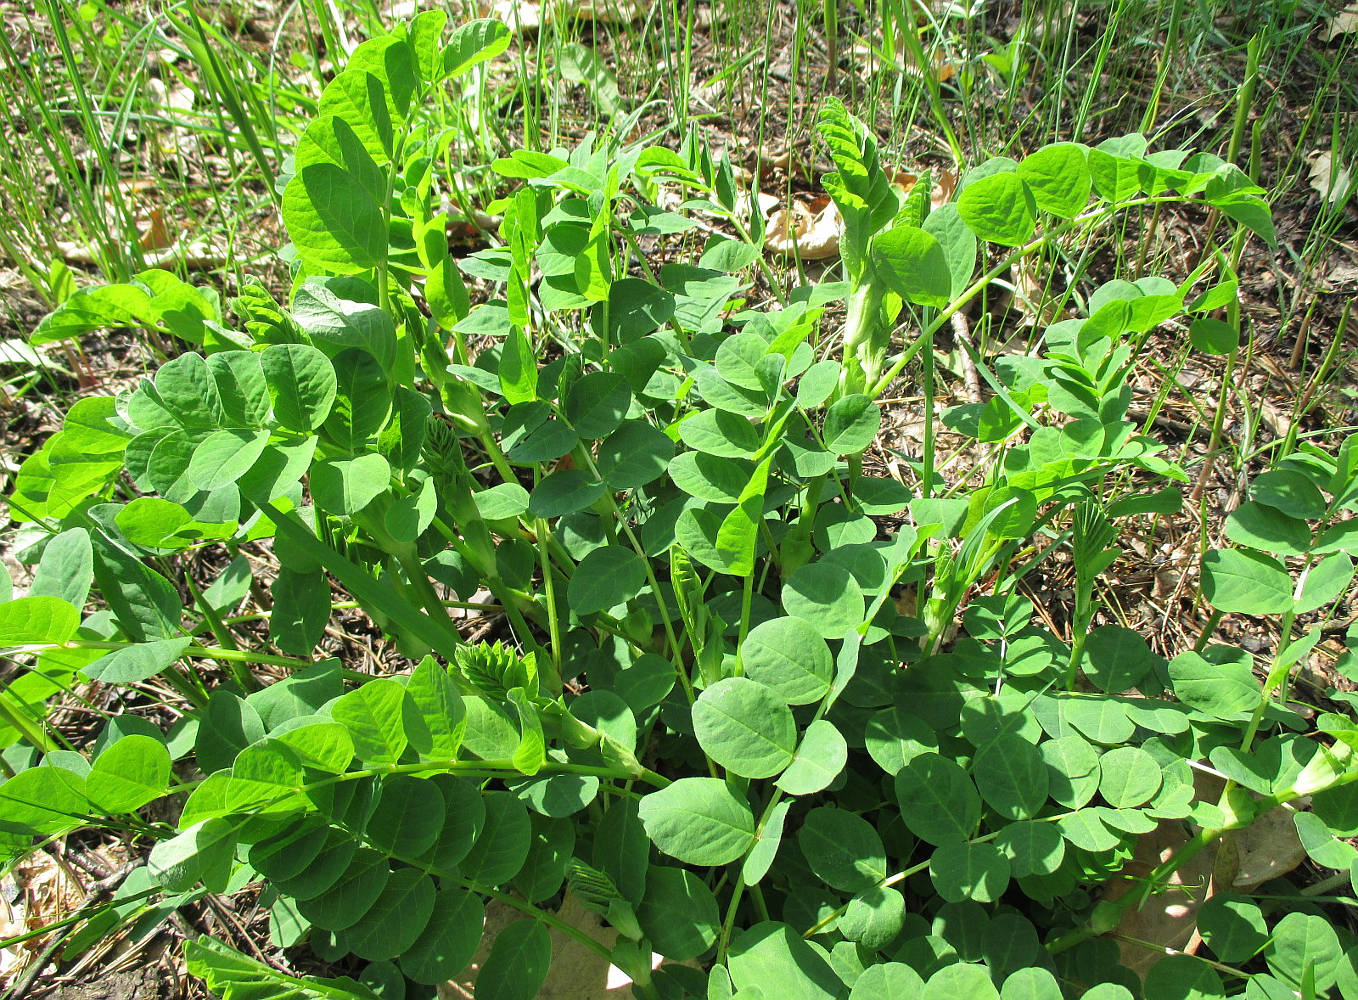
x=977, y=286
x=661, y=604
x=549, y=585
x=198, y=652
x=433, y=605
x=927, y=473
x=1208, y=631
x=32, y=732
x=746, y=601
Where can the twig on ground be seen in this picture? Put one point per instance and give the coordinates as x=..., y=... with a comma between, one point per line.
x=98, y=894
x=962, y=332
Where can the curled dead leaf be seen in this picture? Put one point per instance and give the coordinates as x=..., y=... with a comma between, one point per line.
x=155, y=235
x=811, y=229
x=529, y=15
x=903, y=182
x=1268, y=848
x=1341, y=24
x=864, y=53
x=520, y=15
x=607, y=11
x=1331, y=181
x=1169, y=918
x=1167, y=922
x=577, y=972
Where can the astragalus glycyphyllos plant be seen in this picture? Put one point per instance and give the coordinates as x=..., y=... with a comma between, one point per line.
x=709, y=719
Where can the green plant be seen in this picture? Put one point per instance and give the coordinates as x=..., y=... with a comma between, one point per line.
x=714, y=719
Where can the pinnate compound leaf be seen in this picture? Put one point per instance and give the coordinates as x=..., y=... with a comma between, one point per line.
x=1222, y=690
x=449, y=939
x=851, y=424
x=1244, y=582
x=820, y=758
x=128, y=774
x=911, y=263
x=789, y=656
x=745, y=727
x=37, y=619
x=136, y=662
x=376, y=715
x=678, y=913
x=700, y=821
x=301, y=384
x=42, y=801
x=771, y=959
x=843, y=849
x=938, y=801
x=1058, y=178
x=396, y=919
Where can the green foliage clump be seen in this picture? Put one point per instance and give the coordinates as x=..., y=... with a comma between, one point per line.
x=717, y=725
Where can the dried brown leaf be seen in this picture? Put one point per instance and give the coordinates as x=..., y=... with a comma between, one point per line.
x=1332, y=182
x=1341, y=24
x=577, y=972
x=811, y=229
